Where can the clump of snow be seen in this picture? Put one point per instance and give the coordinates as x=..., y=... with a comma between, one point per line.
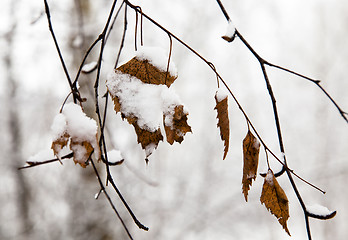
x=269, y=177
x=157, y=57
x=319, y=210
x=221, y=94
x=89, y=66
x=231, y=29
x=58, y=126
x=79, y=126
x=114, y=156
x=146, y=102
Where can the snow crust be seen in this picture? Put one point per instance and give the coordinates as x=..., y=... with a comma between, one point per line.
x=318, y=210
x=157, y=57
x=221, y=94
x=146, y=102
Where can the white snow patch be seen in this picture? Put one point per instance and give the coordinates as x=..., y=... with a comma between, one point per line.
x=221, y=94
x=79, y=125
x=269, y=177
x=115, y=156
x=231, y=29
x=89, y=66
x=318, y=210
x=58, y=126
x=157, y=57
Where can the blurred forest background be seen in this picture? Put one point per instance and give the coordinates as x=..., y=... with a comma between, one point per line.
x=186, y=191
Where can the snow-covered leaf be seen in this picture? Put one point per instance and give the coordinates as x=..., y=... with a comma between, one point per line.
x=73, y=124
x=140, y=92
x=222, y=115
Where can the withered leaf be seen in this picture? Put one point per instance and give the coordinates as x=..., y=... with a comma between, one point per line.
x=275, y=200
x=251, y=149
x=178, y=127
x=223, y=123
x=146, y=72
x=59, y=144
x=82, y=151
x=148, y=140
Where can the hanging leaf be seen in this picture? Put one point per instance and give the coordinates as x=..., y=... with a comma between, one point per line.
x=175, y=125
x=222, y=116
x=146, y=72
x=251, y=149
x=73, y=124
x=275, y=200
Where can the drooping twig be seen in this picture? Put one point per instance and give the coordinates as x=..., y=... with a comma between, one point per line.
x=218, y=77
x=275, y=111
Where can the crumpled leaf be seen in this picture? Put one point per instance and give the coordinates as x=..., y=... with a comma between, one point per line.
x=275, y=199
x=176, y=127
x=146, y=72
x=251, y=149
x=223, y=123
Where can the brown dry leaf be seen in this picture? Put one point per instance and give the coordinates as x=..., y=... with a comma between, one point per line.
x=275, y=200
x=223, y=123
x=251, y=149
x=82, y=151
x=59, y=144
x=146, y=72
x=148, y=140
x=178, y=127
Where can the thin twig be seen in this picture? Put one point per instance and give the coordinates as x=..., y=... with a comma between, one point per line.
x=213, y=69
x=35, y=163
x=102, y=187
x=48, y=14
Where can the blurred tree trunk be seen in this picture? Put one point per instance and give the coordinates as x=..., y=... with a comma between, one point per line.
x=22, y=190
